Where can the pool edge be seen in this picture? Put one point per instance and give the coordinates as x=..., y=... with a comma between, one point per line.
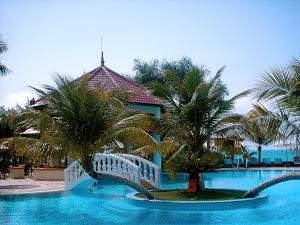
x=197, y=205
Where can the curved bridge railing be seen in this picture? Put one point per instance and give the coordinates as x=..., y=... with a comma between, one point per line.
x=149, y=172
x=133, y=168
x=74, y=175
x=268, y=183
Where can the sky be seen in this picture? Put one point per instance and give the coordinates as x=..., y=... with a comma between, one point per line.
x=50, y=36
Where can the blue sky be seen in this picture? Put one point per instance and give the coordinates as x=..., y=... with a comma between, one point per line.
x=47, y=37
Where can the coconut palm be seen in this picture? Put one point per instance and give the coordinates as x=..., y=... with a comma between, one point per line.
x=255, y=128
x=3, y=48
x=147, y=72
x=8, y=125
x=230, y=145
x=82, y=122
x=155, y=70
x=280, y=88
x=196, y=111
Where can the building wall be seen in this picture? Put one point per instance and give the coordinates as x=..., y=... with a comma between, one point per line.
x=156, y=111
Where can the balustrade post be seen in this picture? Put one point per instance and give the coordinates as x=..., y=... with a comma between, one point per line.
x=119, y=167
x=109, y=164
x=101, y=163
x=157, y=178
x=75, y=172
x=124, y=169
x=151, y=174
x=95, y=162
x=113, y=166
x=137, y=175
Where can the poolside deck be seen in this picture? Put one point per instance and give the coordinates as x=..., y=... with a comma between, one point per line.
x=28, y=185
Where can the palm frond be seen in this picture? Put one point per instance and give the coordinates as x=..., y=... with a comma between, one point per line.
x=29, y=147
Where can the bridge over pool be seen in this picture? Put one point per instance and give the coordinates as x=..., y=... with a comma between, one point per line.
x=130, y=170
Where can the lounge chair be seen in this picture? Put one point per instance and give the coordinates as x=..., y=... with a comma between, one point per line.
x=228, y=162
x=266, y=162
x=278, y=162
x=252, y=161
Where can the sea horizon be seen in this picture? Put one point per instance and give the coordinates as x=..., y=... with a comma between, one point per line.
x=284, y=154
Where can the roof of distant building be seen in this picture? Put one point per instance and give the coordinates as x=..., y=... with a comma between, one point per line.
x=112, y=80
x=103, y=76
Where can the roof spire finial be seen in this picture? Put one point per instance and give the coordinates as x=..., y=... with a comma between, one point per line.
x=102, y=58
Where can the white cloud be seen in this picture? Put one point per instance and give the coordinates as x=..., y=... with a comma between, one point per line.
x=20, y=98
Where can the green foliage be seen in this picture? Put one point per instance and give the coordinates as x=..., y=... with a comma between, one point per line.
x=192, y=162
x=156, y=71
x=3, y=48
x=229, y=146
x=9, y=121
x=148, y=72
x=279, y=87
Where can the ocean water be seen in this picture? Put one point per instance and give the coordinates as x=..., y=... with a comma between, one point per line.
x=286, y=155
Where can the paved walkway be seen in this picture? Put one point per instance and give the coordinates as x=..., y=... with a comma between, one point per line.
x=28, y=185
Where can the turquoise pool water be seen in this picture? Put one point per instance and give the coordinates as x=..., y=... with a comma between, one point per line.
x=106, y=204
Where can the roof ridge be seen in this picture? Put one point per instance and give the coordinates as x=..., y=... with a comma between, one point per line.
x=146, y=91
x=127, y=79
x=113, y=80
x=108, y=74
x=91, y=74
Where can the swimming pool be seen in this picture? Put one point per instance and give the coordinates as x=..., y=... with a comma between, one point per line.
x=106, y=204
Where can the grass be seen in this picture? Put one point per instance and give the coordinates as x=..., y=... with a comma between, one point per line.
x=207, y=195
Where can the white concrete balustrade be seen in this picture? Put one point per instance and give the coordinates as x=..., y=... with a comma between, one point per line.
x=74, y=175
x=120, y=165
x=149, y=172
x=117, y=166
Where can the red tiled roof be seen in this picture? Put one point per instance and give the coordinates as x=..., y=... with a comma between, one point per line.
x=103, y=76
x=112, y=80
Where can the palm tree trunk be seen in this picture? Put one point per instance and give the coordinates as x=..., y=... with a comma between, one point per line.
x=201, y=182
x=259, y=153
x=268, y=183
x=196, y=183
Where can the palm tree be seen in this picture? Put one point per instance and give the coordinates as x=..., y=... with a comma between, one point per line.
x=82, y=122
x=154, y=71
x=3, y=48
x=280, y=88
x=230, y=145
x=254, y=128
x=8, y=123
x=147, y=72
x=9, y=126
x=196, y=111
